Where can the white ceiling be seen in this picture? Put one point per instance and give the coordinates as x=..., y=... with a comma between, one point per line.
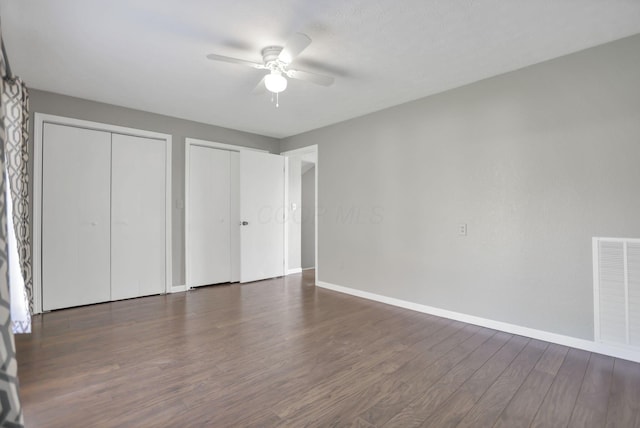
x=150, y=54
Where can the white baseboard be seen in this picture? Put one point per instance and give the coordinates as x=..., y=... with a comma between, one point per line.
x=178, y=288
x=309, y=268
x=573, y=342
x=292, y=271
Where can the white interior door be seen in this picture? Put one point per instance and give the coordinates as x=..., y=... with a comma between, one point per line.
x=235, y=216
x=76, y=174
x=137, y=216
x=209, y=216
x=262, y=209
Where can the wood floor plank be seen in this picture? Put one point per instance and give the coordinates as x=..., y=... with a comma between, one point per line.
x=282, y=352
x=339, y=415
x=624, y=399
x=417, y=412
x=439, y=394
x=451, y=333
x=558, y=404
x=433, y=364
x=591, y=406
x=522, y=408
x=278, y=384
x=359, y=423
x=490, y=406
x=456, y=407
x=343, y=397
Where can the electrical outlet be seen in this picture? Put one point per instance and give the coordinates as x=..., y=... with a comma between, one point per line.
x=462, y=229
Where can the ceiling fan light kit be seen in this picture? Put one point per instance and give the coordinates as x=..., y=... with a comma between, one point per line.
x=276, y=59
x=275, y=82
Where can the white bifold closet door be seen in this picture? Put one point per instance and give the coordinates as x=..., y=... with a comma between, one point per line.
x=76, y=224
x=234, y=218
x=137, y=216
x=212, y=217
x=103, y=216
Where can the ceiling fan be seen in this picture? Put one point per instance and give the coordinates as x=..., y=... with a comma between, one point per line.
x=276, y=60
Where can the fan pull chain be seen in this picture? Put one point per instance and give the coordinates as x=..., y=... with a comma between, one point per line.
x=276, y=100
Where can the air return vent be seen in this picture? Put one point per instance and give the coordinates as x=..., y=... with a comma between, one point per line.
x=616, y=278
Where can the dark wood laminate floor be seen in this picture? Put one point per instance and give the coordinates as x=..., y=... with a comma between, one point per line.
x=285, y=353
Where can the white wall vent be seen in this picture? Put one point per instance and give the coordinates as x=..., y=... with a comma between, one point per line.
x=616, y=279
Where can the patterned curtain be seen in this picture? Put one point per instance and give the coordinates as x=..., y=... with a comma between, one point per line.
x=10, y=407
x=15, y=100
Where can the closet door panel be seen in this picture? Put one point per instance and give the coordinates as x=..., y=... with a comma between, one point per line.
x=75, y=216
x=137, y=217
x=209, y=217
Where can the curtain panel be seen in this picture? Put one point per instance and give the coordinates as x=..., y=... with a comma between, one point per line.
x=15, y=100
x=10, y=406
x=11, y=414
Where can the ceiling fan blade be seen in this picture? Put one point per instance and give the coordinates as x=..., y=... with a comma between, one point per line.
x=215, y=57
x=318, y=79
x=260, y=87
x=296, y=44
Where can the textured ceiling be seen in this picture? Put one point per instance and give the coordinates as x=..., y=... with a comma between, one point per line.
x=150, y=54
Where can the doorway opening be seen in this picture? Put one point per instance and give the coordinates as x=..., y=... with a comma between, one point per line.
x=301, y=210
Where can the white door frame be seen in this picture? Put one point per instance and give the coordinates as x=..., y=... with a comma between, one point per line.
x=187, y=147
x=39, y=120
x=290, y=153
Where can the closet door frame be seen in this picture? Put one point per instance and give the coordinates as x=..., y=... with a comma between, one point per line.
x=189, y=142
x=39, y=120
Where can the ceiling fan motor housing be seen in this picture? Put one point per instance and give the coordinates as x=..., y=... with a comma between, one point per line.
x=270, y=54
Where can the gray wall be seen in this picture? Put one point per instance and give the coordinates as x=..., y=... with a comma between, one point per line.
x=308, y=241
x=536, y=162
x=61, y=105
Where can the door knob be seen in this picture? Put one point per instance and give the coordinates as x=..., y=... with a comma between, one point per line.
x=244, y=223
